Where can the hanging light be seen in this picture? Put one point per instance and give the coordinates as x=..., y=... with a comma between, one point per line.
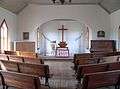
x=54, y=1
x=61, y=1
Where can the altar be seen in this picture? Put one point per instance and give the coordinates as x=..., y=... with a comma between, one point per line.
x=53, y=38
x=62, y=50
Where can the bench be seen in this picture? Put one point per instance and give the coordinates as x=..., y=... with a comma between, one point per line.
x=9, y=52
x=25, y=59
x=3, y=57
x=15, y=58
x=85, y=61
x=101, y=79
x=90, y=68
x=33, y=60
x=19, y=80
x=39, y=70
x=93, y=68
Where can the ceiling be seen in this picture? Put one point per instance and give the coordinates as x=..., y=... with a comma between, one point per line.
x=16, y=6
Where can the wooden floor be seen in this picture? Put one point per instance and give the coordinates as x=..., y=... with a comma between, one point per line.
x=63, y=75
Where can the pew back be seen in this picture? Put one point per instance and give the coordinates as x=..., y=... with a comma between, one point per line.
x=114, y=66
x=84, y=61
x=10, y=52
x=9, y=65
x=83, y=55
x=39, y=70
x=15, y=58
x=3, y=57
x=25, y=59
x=100, y=79
x=28, y=54
x=20, y=81
x=33, y=60
x=91, y=68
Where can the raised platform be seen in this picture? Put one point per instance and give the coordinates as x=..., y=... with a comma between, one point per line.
x=56, y=58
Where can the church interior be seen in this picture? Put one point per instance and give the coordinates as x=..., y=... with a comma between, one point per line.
x=59, y=44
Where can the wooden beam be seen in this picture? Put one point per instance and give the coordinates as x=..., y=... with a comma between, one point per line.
x=104, y=8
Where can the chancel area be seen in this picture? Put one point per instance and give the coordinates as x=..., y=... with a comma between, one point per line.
x=59, y=44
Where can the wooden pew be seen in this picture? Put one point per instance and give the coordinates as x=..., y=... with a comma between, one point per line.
x=90, y=68
x=9, y=66
x=83, y=55
x=15, y=58
x=93, y=68
x=109, y=59
x=114, y=66
x=20, y=81
x=23, y=54
x=34, y=69
x=25, y=59
x=28, y=54
x=101, y=79
x=96, y=55
x=85, y=61
x=33, y=60
x=38, y=70
x=9, y=52
x=3, y=57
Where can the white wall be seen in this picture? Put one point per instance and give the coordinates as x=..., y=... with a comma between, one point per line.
x=115, y=23
x=11, y=20
x=35, y=15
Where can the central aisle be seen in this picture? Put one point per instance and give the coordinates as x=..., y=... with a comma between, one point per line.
x=63, y=75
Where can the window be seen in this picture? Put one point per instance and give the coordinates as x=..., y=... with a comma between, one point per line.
x=4, y=36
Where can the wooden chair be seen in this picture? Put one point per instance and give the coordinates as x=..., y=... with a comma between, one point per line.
x=20, y=81
x=101, y=79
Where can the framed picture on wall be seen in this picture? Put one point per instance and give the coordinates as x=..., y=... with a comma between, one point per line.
x=25, y=35
x=101, y=34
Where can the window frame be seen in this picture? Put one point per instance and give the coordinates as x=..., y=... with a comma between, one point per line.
x=4, y=21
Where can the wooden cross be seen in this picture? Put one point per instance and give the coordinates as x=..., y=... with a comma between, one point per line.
x=62, y=29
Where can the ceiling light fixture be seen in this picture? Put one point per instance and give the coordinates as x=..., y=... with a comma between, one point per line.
x=61, y=1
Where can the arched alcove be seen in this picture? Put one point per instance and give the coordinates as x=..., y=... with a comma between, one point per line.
x=77, y=36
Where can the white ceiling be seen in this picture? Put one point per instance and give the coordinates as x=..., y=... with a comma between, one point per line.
x=17, y=5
